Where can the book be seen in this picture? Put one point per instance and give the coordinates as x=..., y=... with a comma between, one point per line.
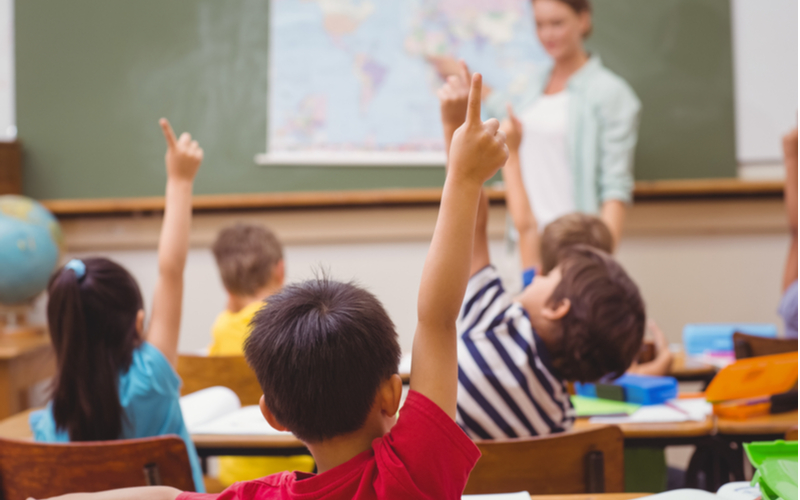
x=217, y=410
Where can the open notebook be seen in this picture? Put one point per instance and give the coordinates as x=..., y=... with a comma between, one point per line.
x=217, y=410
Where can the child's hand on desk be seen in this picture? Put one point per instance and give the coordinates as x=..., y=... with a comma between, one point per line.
x=453, y=97
x=183, y=156
x=512, y=127
x=478, y=148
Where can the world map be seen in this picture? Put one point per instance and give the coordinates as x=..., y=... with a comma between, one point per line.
x=353, y=81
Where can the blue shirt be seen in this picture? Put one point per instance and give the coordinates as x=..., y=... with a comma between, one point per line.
x=149, y=393
x=507, y=386
x=788, y=310
x=602, y=129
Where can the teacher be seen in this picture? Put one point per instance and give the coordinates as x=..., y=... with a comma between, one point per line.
x=579, y=122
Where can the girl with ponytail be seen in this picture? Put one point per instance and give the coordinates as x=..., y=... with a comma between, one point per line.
x=115, y=379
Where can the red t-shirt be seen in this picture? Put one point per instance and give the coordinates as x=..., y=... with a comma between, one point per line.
x=426, y=455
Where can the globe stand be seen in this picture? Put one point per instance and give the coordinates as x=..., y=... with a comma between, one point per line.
x=14, y=321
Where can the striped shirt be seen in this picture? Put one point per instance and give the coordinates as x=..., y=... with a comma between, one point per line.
x=506, y=384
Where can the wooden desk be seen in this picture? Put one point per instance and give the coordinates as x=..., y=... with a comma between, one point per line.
x=214, y=445
x=685, y=369
x=16, y=426
x=660, y=434
x=766, y=426
x=208, y=445
x=26, y=358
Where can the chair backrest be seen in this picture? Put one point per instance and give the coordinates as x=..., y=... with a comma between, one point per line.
x=233, y=372
x=584, y=461
x=42, y=470
x=751, y=346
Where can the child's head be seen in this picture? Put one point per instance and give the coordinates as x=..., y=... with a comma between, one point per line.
x=321, y=351
x=95, y=316
x=250, y=259
x=573, y=229
x=589, y=312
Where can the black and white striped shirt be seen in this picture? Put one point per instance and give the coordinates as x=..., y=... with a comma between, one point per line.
x=506, y=384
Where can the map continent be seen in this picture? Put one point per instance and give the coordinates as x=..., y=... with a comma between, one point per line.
x=359, y=77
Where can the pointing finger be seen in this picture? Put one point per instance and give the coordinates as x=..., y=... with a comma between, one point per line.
x=464, y=71
x=474, y=103
x=510, y=111
x=169, y=135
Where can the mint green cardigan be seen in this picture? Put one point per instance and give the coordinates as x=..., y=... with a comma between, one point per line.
x=602, y=129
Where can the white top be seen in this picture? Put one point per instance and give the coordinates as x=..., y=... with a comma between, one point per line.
x=544, y=159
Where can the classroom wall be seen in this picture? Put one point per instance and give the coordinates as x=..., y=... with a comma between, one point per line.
x=8, y=117
x=765, y=76
x=731, y=273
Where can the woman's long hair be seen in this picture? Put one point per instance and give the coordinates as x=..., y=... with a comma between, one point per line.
x=92, y=321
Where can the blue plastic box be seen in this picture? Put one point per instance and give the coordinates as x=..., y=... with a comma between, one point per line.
x=700, y=338
x=639, y=389
x=647, y=390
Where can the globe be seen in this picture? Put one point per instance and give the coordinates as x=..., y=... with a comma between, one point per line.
x=30, y=243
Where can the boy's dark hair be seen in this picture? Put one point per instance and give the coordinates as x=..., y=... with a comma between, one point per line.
x=246, y=255
x=92, y=323
x=320, y=350
x=603, y=330
x=573, y=229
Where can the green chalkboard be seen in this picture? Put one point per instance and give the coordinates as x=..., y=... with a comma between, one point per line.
x=677, y=55
x=93, y=77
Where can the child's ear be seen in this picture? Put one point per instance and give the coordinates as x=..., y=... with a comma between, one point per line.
x=556, y=312
x=140, y=322
x=391, y=391
x=270, y=418
x=279, y=272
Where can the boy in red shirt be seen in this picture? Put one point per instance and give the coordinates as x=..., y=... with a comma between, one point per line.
x=326, y=355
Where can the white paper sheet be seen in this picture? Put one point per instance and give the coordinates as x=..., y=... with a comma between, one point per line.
x=206, y=405
x=678, y=410
x=247, y=420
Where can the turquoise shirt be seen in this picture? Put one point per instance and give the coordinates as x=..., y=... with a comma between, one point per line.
x=602, y=129
x=149, y=394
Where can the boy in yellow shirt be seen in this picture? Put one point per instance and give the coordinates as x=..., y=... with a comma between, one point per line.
x=250, y=262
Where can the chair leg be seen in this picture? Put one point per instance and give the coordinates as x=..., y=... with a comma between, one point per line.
x=595, y=472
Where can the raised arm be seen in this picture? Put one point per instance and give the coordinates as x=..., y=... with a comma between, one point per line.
x=517, y=202
x=790, y=199
x=478, y=149
x=183, y=158
x=453, y=102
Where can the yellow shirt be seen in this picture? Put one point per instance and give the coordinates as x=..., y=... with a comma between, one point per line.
x=231, y=329
x=229, y=332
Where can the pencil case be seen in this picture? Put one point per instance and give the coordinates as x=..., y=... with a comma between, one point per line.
x=700, y=338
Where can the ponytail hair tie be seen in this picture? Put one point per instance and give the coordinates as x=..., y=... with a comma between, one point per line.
x=78, y=267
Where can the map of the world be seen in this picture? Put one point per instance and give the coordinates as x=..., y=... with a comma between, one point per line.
x=353, y=82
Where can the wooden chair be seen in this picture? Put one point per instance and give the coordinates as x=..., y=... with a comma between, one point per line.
x=751, y=346
x=233, y=372
x=42, y=470
x=791, y=435
x=585, y=461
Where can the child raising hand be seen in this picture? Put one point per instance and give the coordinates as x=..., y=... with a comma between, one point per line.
x=115, y=379
x=326, y=356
